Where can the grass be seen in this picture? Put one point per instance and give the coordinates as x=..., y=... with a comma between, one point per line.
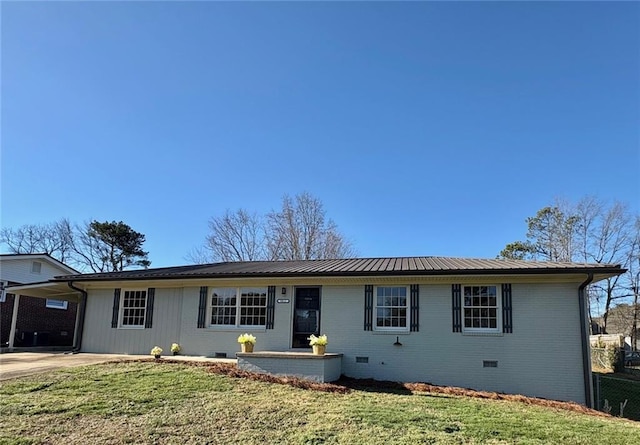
x=158, y=403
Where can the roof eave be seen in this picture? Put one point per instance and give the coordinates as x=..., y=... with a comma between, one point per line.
x=603, y=272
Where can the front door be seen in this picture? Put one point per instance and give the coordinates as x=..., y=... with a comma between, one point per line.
x=306, y=316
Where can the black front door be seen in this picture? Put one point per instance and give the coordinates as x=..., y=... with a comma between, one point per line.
x=306, y=317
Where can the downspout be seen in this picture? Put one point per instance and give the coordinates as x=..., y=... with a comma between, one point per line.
x=82, y=306
x=586, y=356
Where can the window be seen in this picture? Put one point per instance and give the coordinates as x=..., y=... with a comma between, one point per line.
x=481, y=309
x=224, y=306
x=245, y=306
x=133, y=308
x=36, y=267
x=57, y=304
x=391, y=308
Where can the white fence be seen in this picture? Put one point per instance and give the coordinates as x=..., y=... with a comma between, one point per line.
x=602, y=340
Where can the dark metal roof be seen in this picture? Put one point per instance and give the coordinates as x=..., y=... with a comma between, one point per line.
x=352, y=267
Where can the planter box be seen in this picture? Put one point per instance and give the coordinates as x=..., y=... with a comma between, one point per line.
x=304, y=365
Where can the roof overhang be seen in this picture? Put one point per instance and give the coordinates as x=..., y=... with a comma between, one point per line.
x=59, y=289
x=480, y=277
x=48, y=289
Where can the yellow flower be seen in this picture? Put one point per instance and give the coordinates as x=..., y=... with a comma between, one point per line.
x=320, y=341
x=247, y=338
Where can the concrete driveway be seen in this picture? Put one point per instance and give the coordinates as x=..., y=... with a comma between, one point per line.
x=18, y=364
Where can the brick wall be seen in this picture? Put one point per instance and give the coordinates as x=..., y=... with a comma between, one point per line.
x=54, y=326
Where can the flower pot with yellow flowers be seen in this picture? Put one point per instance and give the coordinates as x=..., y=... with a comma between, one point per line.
x=246, y=342
x=318, y=344
x=156, y=352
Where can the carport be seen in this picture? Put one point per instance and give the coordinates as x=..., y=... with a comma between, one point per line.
x=64, y=291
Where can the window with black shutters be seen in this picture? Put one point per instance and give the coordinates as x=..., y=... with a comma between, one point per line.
x=243, y=306
x=133, y=308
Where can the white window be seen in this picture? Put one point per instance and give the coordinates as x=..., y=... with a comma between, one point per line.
x=133, y=308
x=481, y=309
x=391, y=308
x=243, y=306
x=36, y=267
x=57, y=304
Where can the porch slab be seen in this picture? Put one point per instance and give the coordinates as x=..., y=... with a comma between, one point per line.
x=304, y=365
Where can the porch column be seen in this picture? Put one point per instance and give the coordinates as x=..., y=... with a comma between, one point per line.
x=76, y=326
x=77, y=331
x=14, y=320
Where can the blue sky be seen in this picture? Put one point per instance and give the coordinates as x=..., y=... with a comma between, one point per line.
x=429, y=128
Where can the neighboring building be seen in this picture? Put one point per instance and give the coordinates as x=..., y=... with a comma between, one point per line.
x=499, y=325
x=597, y=326
x=39, y=322
x=620, y=321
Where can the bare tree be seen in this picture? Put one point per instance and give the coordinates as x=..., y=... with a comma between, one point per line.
x=234, y=236
x=620, y=319
x=634, y=281
x=199, y=255
x=94, y=246
x=86, y=250
x=550, y=235
x=334, y=244
x=55, y=239
x=591, y=231
x=605, y=235
x=299, y=231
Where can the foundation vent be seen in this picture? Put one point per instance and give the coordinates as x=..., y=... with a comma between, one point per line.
x=362, y=359
x=489, y=363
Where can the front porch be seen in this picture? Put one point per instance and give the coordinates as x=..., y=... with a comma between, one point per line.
x=304, y=365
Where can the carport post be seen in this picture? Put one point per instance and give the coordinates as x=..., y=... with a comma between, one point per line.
x=14, y=320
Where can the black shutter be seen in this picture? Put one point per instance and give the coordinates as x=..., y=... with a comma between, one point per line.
x=202, y=308
x=116, y=308
x=368, y=307
x=507, y=321
x=415, y=308
x=271, y=306
x=456, y=306
x=148, y=318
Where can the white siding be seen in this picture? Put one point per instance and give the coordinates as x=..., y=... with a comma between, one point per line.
x=99, y=336
x=542, y=357
x=209, y=341
x=19, y=270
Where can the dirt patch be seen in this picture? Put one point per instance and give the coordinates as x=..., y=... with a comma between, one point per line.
x=464, y=392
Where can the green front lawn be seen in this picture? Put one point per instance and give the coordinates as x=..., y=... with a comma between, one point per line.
x=149, y=402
